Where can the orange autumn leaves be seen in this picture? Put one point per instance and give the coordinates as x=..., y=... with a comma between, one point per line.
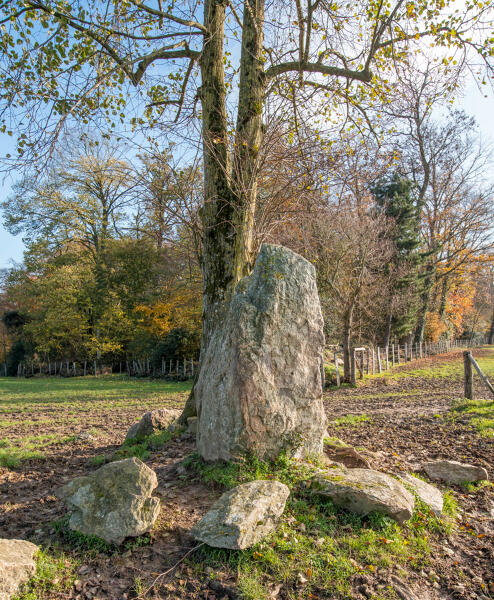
x=181, y=307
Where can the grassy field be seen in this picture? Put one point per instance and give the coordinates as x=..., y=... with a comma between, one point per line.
x=319, y=551
x=450, y=367
x=39, y=414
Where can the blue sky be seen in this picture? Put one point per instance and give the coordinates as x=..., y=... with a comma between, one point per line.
x=11, y=248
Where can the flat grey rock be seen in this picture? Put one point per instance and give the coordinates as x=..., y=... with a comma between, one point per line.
x=453, y=471
x=260, y=386
x=429, y=494
x=243, y=516
x=17, y=565
x=364, y=491
x=114, y=502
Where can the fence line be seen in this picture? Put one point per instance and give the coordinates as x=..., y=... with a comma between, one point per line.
x=133, y=367
x=372, y=360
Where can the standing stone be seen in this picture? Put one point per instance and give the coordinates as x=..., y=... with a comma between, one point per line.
x=453, y=471
x=243, y=516
x=151, y=422
x=17, y=565
x=114, y=502
x=259, y=389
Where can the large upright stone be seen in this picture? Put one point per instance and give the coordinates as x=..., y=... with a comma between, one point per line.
x=260, y=389
x=114, y=502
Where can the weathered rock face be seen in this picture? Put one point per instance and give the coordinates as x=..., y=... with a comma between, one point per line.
x=114, y=502
x=453, y=471
x=428, y=493
x=243, y=516
x=260, y=388
x=364, y=491
x=17, y=565
x=153, y=422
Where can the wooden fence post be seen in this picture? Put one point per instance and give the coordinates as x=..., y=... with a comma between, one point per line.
x=481, y=374
x=337, y=368
x=353, y=367
x=361, y=365
x=379, y=364
x=468, y=377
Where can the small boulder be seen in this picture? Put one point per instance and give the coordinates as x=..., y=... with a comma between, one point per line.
x=153, y=421
x=114, y=502
x=364, y=491
x=453, y=471
x=243, y=516
x=429, y=494
x=17, y=565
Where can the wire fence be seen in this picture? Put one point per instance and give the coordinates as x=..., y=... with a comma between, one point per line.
x=183, y=368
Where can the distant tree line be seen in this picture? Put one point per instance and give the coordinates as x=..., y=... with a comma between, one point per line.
x=111, y=265
x=398, y=226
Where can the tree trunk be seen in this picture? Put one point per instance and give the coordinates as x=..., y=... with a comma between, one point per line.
x=491, y=331
x=218, y=210
x=230, y=197
x=387, y=332
x=252, y=90
x=425, y=301
x=444, y=297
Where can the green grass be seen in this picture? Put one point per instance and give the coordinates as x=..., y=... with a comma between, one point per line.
x=55, y=574
x=84, y=394
x=350, y=420
x=481, y=413
x=12, y=456
x=31, y=406
x=472, y=487
x=317, y=548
